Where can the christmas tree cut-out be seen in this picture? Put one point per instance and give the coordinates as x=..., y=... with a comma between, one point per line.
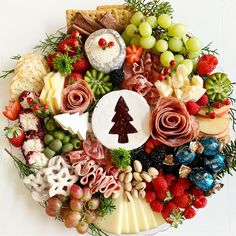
x=122, y=120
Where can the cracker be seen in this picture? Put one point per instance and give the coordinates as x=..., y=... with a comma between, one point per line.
x=108, y=7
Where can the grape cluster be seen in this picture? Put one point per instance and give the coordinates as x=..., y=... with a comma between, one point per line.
x=164, y=37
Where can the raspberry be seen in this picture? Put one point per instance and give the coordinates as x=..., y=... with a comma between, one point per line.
x=177, y=189
x=150, y=196
x=189, y=213
x=162, y=195
x=217, y=105
x=192, y=107
x=168, y=210
x=157, y=206
x=149, y=187
x=183, y=201
x=226, y=102
x=185, y=183
x=170, y=179
x=200, y=202
x=203, y=101
x=196, y=192
x=160, y=184
x=212, y=115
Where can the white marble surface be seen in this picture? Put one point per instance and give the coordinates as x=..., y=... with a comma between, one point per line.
x=23, y=23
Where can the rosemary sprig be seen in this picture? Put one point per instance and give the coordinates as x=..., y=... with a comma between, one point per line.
x=17, y=57
x=50, y=43
x=24, y=169
x=207, y=49
x=106, y=205
x=154, y=7
x=94, y=230
x=6, y=73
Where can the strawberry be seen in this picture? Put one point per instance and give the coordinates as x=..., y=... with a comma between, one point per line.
x=177, y=190
x=203, y=101
x=200, y=202
x=50, y=59
x=206, y=64
x=12, y=111
x=150, y=145
x=226, y=102
x=189, y=213
x=72, y=78
x=156, y=206
x=185, y=183
x=15, y=135
x=133, y=53
x=81, y=65
x=192, y=107
x=183, y=201
x=160, y=184
x=196, y=192
x=150, y=196
x=170, y=179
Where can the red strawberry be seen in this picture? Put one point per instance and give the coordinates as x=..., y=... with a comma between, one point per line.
x=200, y=202
x=196, y=192
x=183, y=201
x=185, y=183
x=203, y=101
x=15, y=135
x=177, y=190
x=12, y=111
x=218, y=105
x=170, y=179
x=206, y=64
x=192, y=107
x=50, y=59
x=81, y=65
x=133, y=53
x=156, y=206
x=189, y=213
x=171, y=213
x=160, y=184
x=150, y=196
x=72, y=78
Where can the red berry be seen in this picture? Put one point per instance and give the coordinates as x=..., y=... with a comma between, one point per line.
x=166, y=71
x=203, y=101
x=206, y=64
x=74, y=43
x=157, y=206
x=81, y=65
x=183, y=201
x=170, y=179
x=35, y=107
x=189, y=213
x=149, y=187
x=172, y=63
x=226, y=102
x=185, y=183
x=45, y=107
x=75, y=34
x=160, y=184
x=102, y=42
x=192, y=107
x=212, y=115
x=177, y=189
x=217, y=105
x=30, y=100
x=111, y=44
x=150, y=196
x=161, y=77
x=161, y=194
x=200, y=202
x=196, y=192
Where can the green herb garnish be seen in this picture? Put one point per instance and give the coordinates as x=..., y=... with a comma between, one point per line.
x=63, y=63
x=121, y=158
x=207, y=49
x=94, y=230
x=106, y=205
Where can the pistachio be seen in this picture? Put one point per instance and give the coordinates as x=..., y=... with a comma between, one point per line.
x=142, y=193
x=128, y=196
x=137, y=176
x=138, y=166
x=128, y=169
x=135, y=182
x=153, y=172
x=116, y=194
x=146, y=177
x=128, y=177
x=141, y=185
x=128, y=187
x=122, y=177
x=134, y=193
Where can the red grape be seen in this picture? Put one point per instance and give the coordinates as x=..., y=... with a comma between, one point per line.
x=76, y=205
x=91, y=217
x=76, y=191
x=52, y=212
x=87, y=194
x=93, y=204
x=82, y=227
x=72, y=219
x=54, y=203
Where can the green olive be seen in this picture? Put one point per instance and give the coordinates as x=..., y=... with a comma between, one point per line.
x=66, y=139
x=76, y=143
x=59, y=134
x=48, y=138
x=67, y=148
x=51, y=125
x=55, y=145
x=48, y=152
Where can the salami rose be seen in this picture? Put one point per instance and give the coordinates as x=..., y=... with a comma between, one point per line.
x=77, y=97
x=171, y=123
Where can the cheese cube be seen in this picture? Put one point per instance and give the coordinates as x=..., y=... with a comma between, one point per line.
x=192, y=93
x=164, y=89
x=197, y=81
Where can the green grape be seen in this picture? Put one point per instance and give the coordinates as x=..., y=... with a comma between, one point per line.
x=183, y=51
x=178, y=59
x=166, y=58
x=135, y=40
x=193, y=55
x=177, y=30
x=163, y=36
x=152, y=20
x=136, y=19
x=126, y=38
x=175, y=44
x=131, y=30
x=145, y=29
x=189, y=65
x=161, y=45
x=148, y=42
x=193, y=44
x=164, y=21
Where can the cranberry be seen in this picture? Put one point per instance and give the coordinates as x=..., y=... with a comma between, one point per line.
x=166, y=71
x=226, y=102
x=172, y=63
x=217, y=105
x=212, y=115
x=35, y=107
x=161, y=77
x=45, y=107
x=30, y=100
x=111, y=44
x=75, y=34
x=102, y=42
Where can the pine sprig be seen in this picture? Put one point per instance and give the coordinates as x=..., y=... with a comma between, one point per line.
x=94, y=230
x=207, y=49
x=24, y=169
x=106, y=205
x=50, y=43
x=154, y=7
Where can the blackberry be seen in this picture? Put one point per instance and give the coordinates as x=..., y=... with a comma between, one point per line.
x=117, y=77
x=142, y=156
x=157, y=156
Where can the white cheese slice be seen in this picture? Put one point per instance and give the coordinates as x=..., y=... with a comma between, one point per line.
x=43, y=96
x=133, y=218
x=164, y=89
x=125, y=219
x=63, y=120
x=192, y=93
x=49, y=101
x=159, y=219
x=197, y=81
x=57, y=96
x=47, y=83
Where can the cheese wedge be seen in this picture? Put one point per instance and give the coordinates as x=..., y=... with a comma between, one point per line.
x=125, y=219
x=133, y=218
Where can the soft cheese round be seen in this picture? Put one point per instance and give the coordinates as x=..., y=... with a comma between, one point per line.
x=104, y=113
